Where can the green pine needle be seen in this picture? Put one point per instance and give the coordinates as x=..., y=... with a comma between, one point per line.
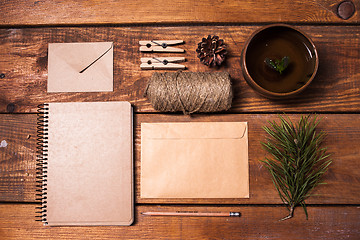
x=297, y=161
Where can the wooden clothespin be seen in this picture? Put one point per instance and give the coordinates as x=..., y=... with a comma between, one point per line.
x=160, y=46
x=162, y=63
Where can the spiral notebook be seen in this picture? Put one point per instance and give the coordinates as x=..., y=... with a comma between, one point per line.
x=85, y=163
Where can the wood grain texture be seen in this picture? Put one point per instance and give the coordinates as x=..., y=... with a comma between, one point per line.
x=17, y=158
x=343, y=177
x=45, y=12
x=23, y=60
x=17, y=222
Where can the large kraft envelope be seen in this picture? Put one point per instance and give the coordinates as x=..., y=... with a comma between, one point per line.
x=194, y=160
x=67, y=60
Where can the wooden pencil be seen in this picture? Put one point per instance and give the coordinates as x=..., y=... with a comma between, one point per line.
x=194, y=214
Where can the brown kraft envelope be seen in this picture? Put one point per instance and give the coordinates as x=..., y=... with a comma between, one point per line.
x=194, y=160
x=80, y=67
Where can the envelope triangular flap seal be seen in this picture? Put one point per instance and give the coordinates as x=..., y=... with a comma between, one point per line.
x=186, y=130
x=67, y=60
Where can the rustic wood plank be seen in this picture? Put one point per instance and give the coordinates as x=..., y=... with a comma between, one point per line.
x=21, y=12
x=23, y=60
x=343, y=131
x=17, y=175
x=17, y=222
x=17, y=157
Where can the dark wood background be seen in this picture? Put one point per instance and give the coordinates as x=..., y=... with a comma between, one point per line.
x=26, y=28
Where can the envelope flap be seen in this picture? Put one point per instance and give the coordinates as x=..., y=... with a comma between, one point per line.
x=192, y=130
x=78, y=55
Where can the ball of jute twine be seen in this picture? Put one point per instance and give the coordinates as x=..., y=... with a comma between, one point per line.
x=190, y=92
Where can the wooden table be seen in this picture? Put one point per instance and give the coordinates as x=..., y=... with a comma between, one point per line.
x=26, y=28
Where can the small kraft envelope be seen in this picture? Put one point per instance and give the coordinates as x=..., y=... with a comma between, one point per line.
x=194, y=160
x=80, y=67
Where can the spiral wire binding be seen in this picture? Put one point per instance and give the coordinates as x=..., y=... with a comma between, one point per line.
x=42, y=161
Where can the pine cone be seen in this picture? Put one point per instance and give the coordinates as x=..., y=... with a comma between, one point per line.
x=211, y=51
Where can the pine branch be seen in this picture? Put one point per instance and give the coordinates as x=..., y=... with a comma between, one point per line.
x=297, y=161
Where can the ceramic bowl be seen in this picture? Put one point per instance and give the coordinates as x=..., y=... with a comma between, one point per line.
x=274, y=42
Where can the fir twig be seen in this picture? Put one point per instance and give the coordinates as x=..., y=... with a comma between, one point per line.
x=297, y=161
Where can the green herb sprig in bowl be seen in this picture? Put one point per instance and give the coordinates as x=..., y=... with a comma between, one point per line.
x=297, y=161
x=277, y=64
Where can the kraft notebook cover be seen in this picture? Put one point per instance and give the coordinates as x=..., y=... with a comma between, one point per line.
x=87, y=170
x=194, y=160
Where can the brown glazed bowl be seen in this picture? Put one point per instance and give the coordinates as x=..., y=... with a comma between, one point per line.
x=275, y=42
